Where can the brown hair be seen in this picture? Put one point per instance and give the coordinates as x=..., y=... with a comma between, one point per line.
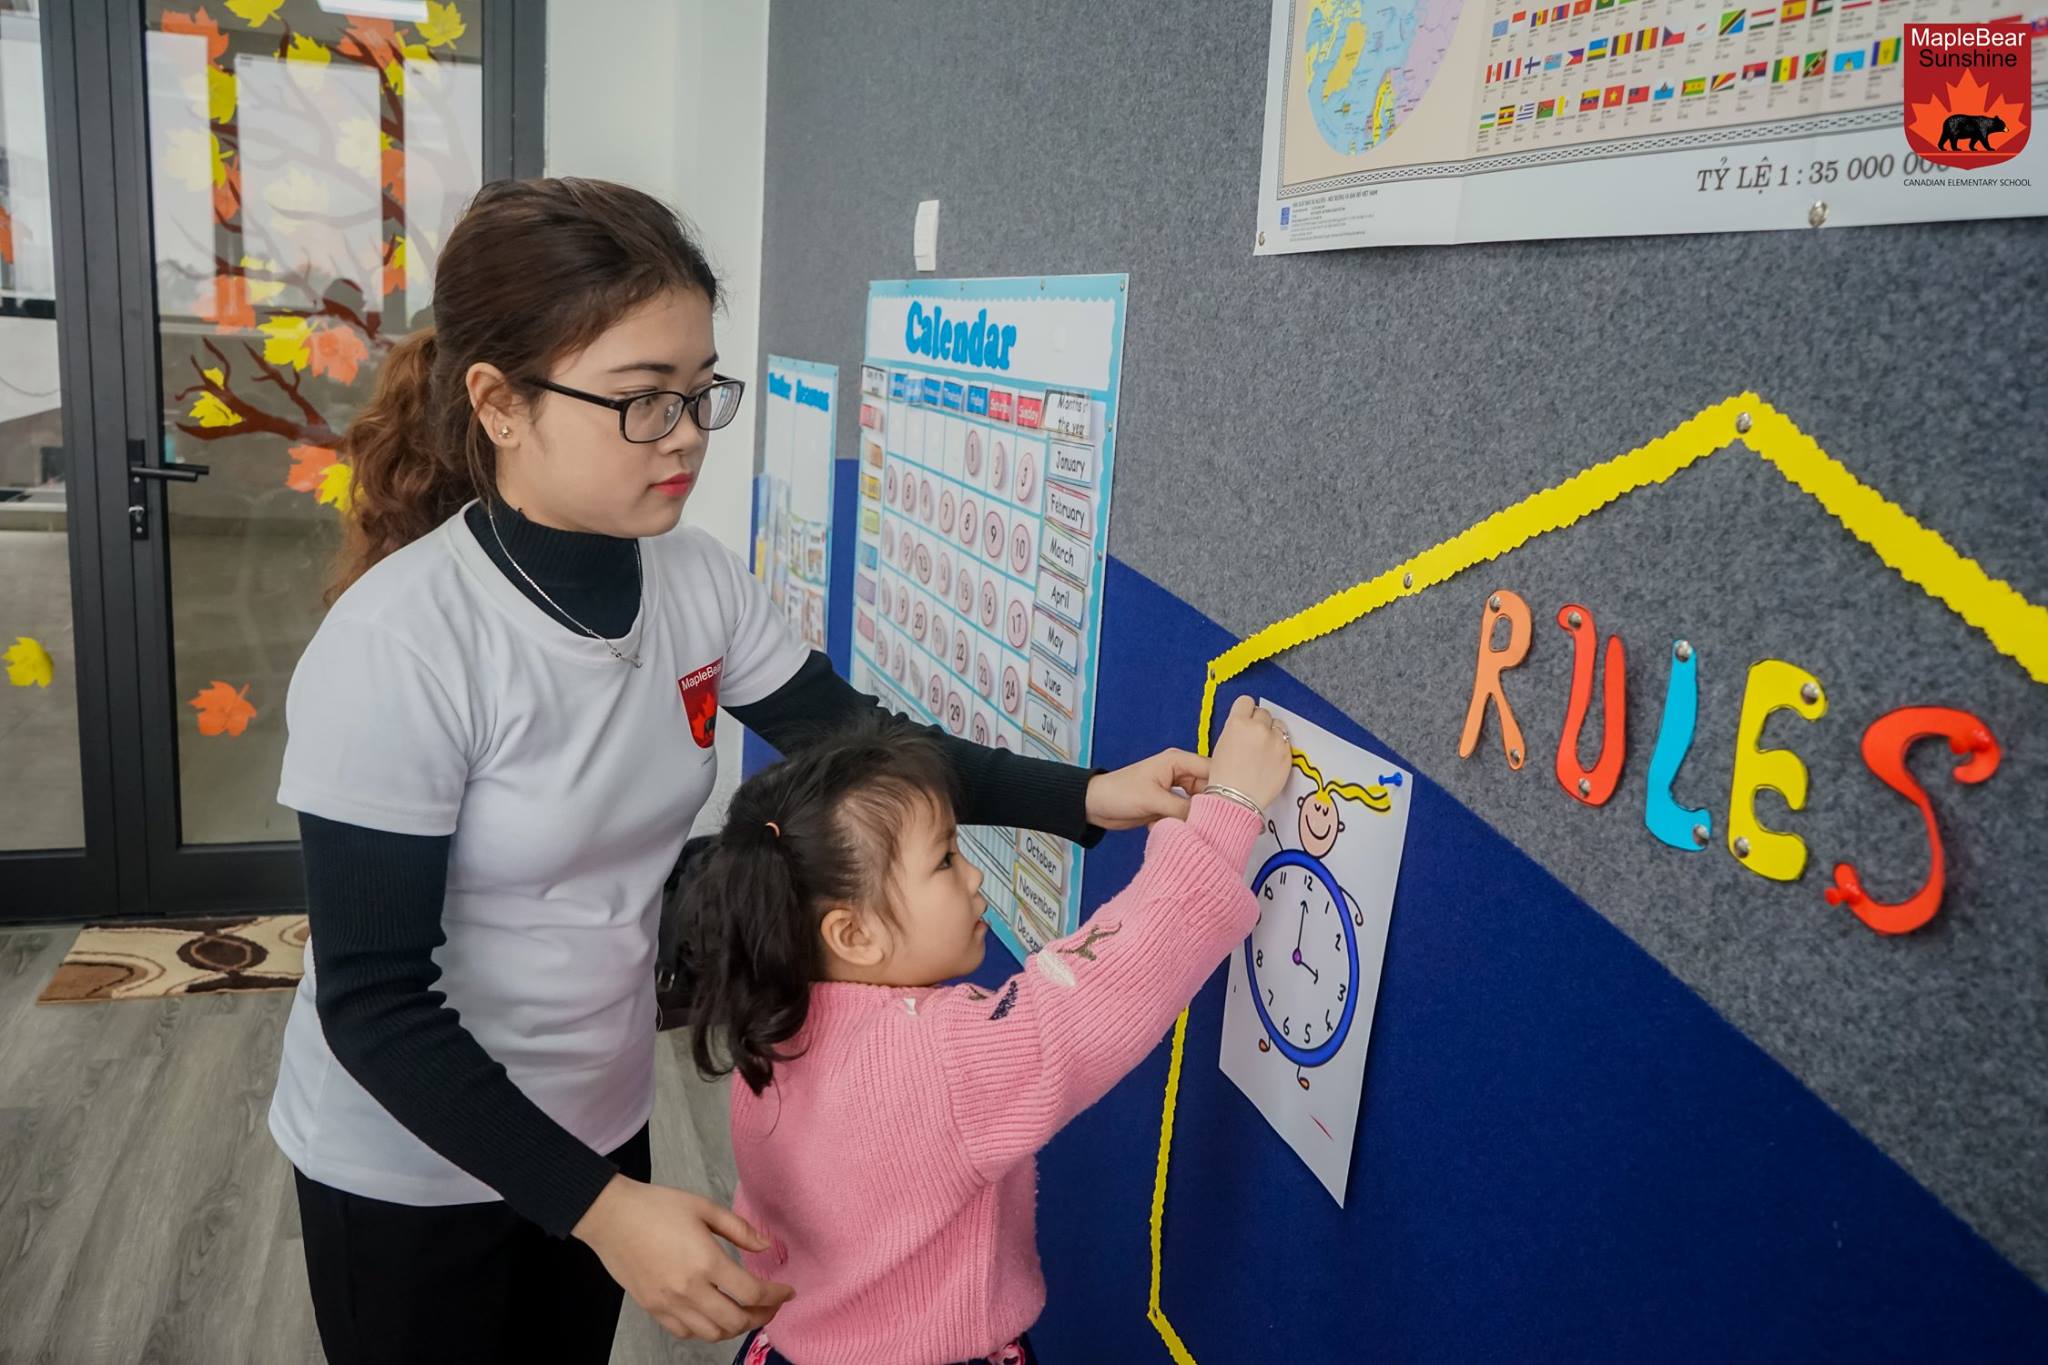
x=533, y=271
x=819, y=829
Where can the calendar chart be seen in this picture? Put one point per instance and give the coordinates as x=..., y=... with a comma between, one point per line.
x=987, y=449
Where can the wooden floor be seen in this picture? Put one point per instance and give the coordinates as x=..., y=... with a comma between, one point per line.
x=145, y=1214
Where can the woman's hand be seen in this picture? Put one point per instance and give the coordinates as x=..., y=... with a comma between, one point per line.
x=661, y=1245
x=1253, y=755
x=1145, y=791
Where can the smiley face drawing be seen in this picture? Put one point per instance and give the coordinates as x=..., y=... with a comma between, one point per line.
x=925, y=501
x=970, y=524
x=992, y=537
x=956, y=713
x=960, y=646
x=1013, y=690
x=947, y=512
x=974, y=454
x=946, y=574
x=990, y=605
x=1018, y=627
x=980, y=735
x=1320, y=821
x=1020, y=549
x=984, y=674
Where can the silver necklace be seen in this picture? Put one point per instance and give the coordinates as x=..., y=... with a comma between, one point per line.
x=639, y=574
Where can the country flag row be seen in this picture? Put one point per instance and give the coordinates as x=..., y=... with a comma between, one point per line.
x=1775, y=72
x=1599, y=49
x=1790, y=11
x=1881, y=53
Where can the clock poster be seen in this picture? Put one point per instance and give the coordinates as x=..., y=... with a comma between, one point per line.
x=1298, y=1015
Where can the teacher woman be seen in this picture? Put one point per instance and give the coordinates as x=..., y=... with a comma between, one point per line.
x=499, y=738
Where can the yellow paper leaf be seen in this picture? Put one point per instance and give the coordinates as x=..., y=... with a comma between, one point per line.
x=209, y=411
x=28, y=663
x=261, y=291
x=394, y=76
x=356, y=143
x=214, y=376
x=220, y=162
x=220, y=94
x=337, y=487
x=305, y=48
x=285, y=342
x=187, y=159
x=443, y=24
x=415, y=52
x=298, y=192
x=255, y=13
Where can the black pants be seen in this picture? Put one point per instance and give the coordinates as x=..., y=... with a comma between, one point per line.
x=394, y=1283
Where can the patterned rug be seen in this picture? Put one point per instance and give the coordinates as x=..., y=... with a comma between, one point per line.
x=145, y=961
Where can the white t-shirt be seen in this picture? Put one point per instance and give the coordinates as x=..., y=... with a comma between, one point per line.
x=437, y=699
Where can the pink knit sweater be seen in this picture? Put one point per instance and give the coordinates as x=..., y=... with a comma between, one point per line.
x=892, y=1165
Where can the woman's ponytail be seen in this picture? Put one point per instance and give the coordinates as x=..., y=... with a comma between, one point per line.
x=815, y=831
x=415, y=456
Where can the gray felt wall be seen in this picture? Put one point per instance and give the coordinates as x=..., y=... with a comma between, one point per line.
x=1292, y=425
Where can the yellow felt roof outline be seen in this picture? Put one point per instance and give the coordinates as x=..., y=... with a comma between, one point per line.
x=2015, y=627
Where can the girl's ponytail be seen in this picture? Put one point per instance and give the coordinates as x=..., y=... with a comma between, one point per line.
x=754, y=951
x=815, y=831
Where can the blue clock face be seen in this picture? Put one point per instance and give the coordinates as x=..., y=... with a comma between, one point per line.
x=1301, y=958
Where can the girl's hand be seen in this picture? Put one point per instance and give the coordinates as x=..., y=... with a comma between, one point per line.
x=1144, y=792
x=1254, y=755
x=661, y=1245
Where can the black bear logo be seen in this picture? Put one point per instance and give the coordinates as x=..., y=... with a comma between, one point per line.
x=1970, y=129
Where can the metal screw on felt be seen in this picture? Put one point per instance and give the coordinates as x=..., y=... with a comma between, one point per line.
x=1574, y=620
x=1741, y=847
x=1493, y=602
x=1585, y=787
x=1809, y=693
x=1818, y=214
x=1700, y=835
x=1742, y=421
x=1407, y=580
x=1514, y=755
x=1683, y=649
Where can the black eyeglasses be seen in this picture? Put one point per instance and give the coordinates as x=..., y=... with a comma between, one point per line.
x=647, y=417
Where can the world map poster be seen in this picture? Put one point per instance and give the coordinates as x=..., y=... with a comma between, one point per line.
x=1400, y=122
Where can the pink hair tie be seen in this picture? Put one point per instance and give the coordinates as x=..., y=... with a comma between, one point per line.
x=773, y=828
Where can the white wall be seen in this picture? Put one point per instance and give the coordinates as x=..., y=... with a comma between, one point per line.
x=672, y=96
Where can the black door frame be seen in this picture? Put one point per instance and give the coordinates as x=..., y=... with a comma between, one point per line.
x=133, y=863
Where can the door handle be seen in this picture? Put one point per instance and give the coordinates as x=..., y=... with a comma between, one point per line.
x=140, y=475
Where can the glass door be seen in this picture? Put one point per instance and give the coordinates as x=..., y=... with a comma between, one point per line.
x=264, y=186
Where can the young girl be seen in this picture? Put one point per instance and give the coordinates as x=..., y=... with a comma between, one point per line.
x=886, y=1127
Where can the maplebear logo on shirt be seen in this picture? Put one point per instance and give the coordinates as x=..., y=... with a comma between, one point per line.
x=700, y=701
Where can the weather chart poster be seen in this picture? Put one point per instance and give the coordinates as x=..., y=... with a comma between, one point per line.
x=1440, y=121
x=988, y=414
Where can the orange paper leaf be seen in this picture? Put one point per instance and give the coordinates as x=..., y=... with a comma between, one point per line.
x=337, y=350
x=227, y=192
x=6, y=236
x=1966, y=95
x=309, y=463
x=222, y=710
x=371, y=40
x=225, y=303
x=198, y=22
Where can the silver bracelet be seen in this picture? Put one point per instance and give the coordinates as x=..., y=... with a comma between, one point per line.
x=1233, y=794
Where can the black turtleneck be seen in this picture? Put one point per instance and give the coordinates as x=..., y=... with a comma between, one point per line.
x=375, y=898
